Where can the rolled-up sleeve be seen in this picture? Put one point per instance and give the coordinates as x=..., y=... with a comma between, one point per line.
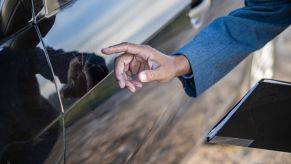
x=225, y=42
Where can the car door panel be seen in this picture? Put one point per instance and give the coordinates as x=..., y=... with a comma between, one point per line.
x=14, y=16
x=27, y=101
x=99, y=105
x=112, y=125
x=74, y=46
x=104, y=123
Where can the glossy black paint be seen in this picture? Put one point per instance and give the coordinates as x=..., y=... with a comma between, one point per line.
x=83, y=110
x=14, y=15
x=27, y=103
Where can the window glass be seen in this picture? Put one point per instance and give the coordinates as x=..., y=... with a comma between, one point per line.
x=28, y=101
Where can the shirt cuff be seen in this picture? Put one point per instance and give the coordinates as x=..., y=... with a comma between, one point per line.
x=188, y=76
x=188, y=81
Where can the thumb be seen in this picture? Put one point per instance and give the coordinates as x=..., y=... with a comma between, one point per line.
x=149, y=75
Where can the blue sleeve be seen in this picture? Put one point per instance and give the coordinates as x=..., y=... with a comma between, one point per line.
x=225, y=42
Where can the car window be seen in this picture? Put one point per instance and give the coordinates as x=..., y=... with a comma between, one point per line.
x=14, y=15
x=30, y=113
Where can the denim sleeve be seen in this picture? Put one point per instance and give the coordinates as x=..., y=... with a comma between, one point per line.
x=225, y=42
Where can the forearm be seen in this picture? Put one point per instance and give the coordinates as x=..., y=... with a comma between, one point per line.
x=228, y=40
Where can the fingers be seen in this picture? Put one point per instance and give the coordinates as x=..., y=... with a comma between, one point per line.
x=129, y=85
x=134, y=66
x=137, y=83
x=123, y=72
x=130, y=48
x=137, y=59
x=150, y=75
x=123, y=47
x=121, y=67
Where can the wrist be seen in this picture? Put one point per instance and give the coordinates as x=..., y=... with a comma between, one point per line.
x=182, y=65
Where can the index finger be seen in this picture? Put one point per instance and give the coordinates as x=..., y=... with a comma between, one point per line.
x=123, y=47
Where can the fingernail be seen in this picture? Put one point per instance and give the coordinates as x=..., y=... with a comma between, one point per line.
x=132, y=89
x=143, y=77
x=120, y=83
x=139, y=85
x=103, y=50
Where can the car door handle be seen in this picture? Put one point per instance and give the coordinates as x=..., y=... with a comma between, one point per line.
x=198, y=13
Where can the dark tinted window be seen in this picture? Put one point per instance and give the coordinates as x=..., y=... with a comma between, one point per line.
x=29, y=103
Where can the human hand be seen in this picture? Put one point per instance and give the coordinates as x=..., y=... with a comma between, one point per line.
x=147, y=63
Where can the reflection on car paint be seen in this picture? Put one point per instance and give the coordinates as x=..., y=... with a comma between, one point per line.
x=77, y=72
x=27, y=107
x=72, y=31
x=15, y=14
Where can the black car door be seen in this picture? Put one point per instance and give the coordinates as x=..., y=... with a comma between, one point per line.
x=31, y=117
x=102, y=122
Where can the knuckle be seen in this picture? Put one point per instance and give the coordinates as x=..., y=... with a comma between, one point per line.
x=140, y=46
x=118, y=60
x=146, y=46
x=128, y=44
x=125, y=43
x=149, y=75
x=126, y=56
x=152, y=76
x=163, y=76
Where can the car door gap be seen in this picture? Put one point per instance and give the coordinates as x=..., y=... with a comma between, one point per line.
x=56, y=86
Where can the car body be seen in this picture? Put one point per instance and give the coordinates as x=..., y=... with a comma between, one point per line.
x=59, y=99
